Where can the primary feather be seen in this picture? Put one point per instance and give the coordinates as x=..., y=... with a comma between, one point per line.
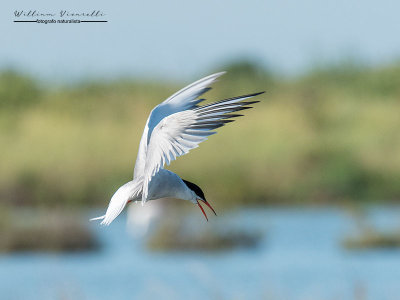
x=178, y=133
x=184, y=99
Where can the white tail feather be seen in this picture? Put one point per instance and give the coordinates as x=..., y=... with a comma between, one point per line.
x=97, y=218
x=128, y=191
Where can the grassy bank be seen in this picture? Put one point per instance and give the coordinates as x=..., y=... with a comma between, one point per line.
x=329, y=135
x=45, y=230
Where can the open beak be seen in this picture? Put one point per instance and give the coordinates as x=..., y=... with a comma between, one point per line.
x=202, y=210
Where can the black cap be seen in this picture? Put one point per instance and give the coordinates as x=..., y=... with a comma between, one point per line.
x=195, y=188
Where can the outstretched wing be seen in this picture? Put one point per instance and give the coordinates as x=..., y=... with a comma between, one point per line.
x=178, y=133
x=186, y=98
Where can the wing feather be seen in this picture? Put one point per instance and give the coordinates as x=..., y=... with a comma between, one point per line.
x=182, y=100
x=187, y=96
x=178, y=133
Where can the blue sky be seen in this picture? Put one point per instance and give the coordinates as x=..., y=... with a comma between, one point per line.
x=179, y=39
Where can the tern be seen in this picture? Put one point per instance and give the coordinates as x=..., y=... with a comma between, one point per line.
x=173, y=128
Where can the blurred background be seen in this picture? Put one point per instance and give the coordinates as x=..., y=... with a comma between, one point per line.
x=306, y=185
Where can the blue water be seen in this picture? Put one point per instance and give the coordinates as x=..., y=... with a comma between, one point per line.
x=300, y=257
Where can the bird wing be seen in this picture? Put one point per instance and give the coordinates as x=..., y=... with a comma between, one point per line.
x=178, y=133
x=184, y=99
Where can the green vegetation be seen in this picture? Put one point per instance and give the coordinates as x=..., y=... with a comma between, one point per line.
x=176, y=234
x=373, y=239
x=48, y=230
x=367, y=235
x=17, y=91
x=329, y=135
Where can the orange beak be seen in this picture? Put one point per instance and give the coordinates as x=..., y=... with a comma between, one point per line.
x=202, y=210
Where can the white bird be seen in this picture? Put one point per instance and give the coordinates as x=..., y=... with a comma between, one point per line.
x=173, y=128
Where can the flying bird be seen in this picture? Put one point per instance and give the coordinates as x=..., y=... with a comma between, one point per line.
x=173, y=128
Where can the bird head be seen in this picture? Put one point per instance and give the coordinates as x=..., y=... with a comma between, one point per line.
x=199, y=197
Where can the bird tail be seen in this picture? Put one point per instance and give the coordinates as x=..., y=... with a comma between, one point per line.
x=98, y=218
x=125, y=193
x=116, y=206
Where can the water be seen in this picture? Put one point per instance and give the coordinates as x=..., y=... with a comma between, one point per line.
x=300, y=257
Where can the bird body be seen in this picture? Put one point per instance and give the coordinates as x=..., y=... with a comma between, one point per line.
x=132, y=192
x=173, y=128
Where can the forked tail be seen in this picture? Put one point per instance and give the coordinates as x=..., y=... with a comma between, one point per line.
x=128, y=192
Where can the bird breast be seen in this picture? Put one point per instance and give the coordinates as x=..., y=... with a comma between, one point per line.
x=166, y=184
